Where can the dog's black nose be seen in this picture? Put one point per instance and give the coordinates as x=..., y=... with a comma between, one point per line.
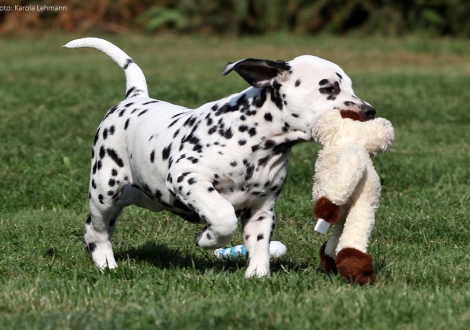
x=368, y=111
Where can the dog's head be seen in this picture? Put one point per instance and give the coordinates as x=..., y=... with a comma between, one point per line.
x=303, y=88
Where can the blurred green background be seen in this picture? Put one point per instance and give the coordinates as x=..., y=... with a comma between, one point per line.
x=240, y=17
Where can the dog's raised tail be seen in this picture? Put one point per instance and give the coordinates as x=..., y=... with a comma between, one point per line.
x=136, y=84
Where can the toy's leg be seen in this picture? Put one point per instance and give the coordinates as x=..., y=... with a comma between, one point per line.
x=356, y=266
x=352, y=259
x=328, y=249
x=327, y=262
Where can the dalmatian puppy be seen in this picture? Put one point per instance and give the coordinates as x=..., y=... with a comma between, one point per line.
x=225, y=160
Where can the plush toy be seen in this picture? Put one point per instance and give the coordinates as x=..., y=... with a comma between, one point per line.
x=276, y=250
x=347, y=188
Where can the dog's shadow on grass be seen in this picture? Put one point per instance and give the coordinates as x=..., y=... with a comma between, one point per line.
x=165, y=257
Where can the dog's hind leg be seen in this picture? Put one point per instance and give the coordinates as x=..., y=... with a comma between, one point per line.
x=98, y=233
x=101, y=223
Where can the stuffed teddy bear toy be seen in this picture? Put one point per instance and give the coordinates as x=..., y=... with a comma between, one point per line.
x=347, y=189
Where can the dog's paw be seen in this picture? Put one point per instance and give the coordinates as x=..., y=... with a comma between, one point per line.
x=256, y=273
x=326, y=210
x=208, y=240
x=102, y=254
x=356, y=266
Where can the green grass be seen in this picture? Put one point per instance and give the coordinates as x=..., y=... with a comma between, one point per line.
x=51, y=102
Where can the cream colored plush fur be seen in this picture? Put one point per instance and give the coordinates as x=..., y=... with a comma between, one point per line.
x=344, y=173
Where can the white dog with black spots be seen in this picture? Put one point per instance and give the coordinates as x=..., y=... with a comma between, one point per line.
x=225, y=160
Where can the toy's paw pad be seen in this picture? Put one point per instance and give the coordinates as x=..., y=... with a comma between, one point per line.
x=355, y=266
x=328, y=263
x=326, y=210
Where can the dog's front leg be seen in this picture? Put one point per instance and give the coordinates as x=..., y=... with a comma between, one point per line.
x=198, y=193
x=258, y=227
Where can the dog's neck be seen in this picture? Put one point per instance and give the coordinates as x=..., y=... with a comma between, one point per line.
x=265, y=111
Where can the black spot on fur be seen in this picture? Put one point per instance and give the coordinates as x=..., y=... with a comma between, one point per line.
x=260, y=99
x=142, y=112
x=149, y=102
x=166, y=152
x=111, y=182
x=96, y=136
x=264, y=160
x=252, y=131
x=226, y=133
x=100, y=198
x=269, y=144
x=90, y=247
x=102, y=152
x=268, y=117
x=114, y=172
x=242, y=142
x=129, y=61
x=243, y=128
x=126, y=124
x=212, y=130
x=112, y=110
x=130, y=90
x=190, y=121
x=297, y=83
x=174, y=122
x=152, y=156
x=114, y=156
x=260, y=237
x=181, y=177
x=249, y=172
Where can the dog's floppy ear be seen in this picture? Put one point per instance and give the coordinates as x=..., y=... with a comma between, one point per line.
x=258, y=73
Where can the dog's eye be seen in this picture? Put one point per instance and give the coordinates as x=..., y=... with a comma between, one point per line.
x=327, y=90
x=330, y=89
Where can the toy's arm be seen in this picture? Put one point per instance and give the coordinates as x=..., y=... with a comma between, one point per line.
x=352, y=160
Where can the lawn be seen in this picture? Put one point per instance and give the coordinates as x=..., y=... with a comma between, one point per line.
x=51, y=102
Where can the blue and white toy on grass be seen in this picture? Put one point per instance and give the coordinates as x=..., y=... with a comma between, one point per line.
x=276, y=250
